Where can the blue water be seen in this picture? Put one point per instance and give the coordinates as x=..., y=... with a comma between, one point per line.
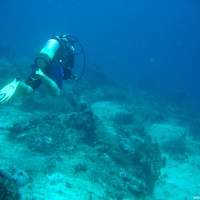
x=154, y=45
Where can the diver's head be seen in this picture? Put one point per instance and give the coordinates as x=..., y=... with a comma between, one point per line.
x=67, y=41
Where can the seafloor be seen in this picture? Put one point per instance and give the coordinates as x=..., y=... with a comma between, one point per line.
x=98, y=141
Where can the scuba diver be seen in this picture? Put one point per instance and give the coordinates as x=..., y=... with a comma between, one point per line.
x=52, y=65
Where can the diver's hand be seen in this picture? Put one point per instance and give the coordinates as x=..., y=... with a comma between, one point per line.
x=68, y=74
x=8, y=91
x=74, y=77
x=39, y=75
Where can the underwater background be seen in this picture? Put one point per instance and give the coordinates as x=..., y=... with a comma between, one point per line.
x=130, y=129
